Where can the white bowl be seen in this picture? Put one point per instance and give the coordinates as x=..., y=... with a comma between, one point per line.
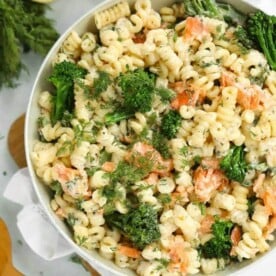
x=86, y=23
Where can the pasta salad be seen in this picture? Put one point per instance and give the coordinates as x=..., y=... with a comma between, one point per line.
x=158, y=139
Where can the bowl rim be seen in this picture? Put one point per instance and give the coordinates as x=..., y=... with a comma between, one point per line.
x=80, y=251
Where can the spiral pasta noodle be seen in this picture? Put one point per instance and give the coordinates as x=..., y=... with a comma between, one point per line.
x=112, y=14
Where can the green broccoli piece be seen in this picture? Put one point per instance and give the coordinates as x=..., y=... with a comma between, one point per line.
x=170, y=124
x=234, y=164
x=262, y=28
x=138, y=88
x=139, y=225
x=220, y=245
x=207, y=8
x=117, y=116
x=243, y=38
x=245, y=41
x=211, y=8
x=63, y=77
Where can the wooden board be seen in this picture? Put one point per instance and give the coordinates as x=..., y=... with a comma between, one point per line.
x=17, y=151
x=16, y=141
x=6, y=266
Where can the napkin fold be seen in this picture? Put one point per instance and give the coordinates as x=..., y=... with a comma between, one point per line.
x=32, y=221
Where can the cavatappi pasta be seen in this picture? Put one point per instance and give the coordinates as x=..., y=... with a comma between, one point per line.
x=98, y=169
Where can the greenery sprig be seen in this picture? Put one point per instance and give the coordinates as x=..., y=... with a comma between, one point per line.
x=23, y=27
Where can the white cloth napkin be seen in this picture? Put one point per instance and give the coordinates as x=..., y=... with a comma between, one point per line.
x=32, y=221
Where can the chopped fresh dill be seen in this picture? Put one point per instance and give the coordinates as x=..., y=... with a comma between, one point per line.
x=160, y=143
x=165, y=94
x=164, y=198
x=78, y=203
x=101, y=83
x=67, y=147
x=56, y=187
x=163, y=263
x=71, y=220
x=80, y=240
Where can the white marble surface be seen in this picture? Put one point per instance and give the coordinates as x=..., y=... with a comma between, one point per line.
x=13, y=103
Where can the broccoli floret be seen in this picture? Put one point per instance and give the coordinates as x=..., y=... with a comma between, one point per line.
x=234, y=164
x=212, y=9
x=207, y=8
x=63, y=77
x=170, y=124
x=242, y=37
x=139, y=225
x=262, y=28
x=220, y=245
x=137, y=91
